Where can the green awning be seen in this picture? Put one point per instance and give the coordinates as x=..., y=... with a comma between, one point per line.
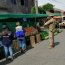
x=28, y=15
x=11, y=15
x=33, y=15
x=4, y=16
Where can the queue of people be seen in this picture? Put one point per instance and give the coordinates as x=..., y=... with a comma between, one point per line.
x=7, y=37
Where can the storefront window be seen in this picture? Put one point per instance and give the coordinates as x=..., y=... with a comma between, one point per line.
x=22, y=2
x=13, y=1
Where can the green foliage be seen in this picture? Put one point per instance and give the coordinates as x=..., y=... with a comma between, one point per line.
x=33, y=11
x=43, y=35
x=40, y=10
x=47, y=7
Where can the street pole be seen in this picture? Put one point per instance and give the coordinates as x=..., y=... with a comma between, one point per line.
x=36, y=6
x=62, y=15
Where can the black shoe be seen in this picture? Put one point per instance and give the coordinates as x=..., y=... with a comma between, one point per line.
x=6, y=59
x=23, y=51
x=11, y=59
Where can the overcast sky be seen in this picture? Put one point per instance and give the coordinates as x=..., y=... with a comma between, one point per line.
x=59, y=4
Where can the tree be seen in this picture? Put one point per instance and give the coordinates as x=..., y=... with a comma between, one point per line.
x=33, y=10
x=40, y=10
x=47, y=7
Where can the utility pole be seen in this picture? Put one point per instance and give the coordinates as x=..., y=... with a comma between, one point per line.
x=36, y=6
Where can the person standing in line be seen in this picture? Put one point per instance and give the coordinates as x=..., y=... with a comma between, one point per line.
x=20, y=35
x=7, y=38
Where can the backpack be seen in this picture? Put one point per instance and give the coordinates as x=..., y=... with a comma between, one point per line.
x=19, y=33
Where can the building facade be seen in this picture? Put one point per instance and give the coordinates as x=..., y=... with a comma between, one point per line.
x=16, y=6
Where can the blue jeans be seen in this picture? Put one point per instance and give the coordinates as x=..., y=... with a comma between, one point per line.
x=8, y=49
x=22, y=43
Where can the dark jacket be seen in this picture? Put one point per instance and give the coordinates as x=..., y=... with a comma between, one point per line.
x=7, y=39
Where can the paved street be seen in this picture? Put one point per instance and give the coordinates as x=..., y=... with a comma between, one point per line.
x=41, y=55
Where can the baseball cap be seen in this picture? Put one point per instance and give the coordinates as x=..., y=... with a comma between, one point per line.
x=4, y=27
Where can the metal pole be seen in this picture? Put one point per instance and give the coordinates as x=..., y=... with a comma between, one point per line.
x=62, y=15
x=36, y=6
x=35, y=22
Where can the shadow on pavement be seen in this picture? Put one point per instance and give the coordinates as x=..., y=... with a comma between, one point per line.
x=56, y=43
x=4, y=62
x=29, y=47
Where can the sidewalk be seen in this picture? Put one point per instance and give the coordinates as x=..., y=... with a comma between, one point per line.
x=41, y=55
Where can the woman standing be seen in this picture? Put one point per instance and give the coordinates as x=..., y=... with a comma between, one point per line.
x=21, y=37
